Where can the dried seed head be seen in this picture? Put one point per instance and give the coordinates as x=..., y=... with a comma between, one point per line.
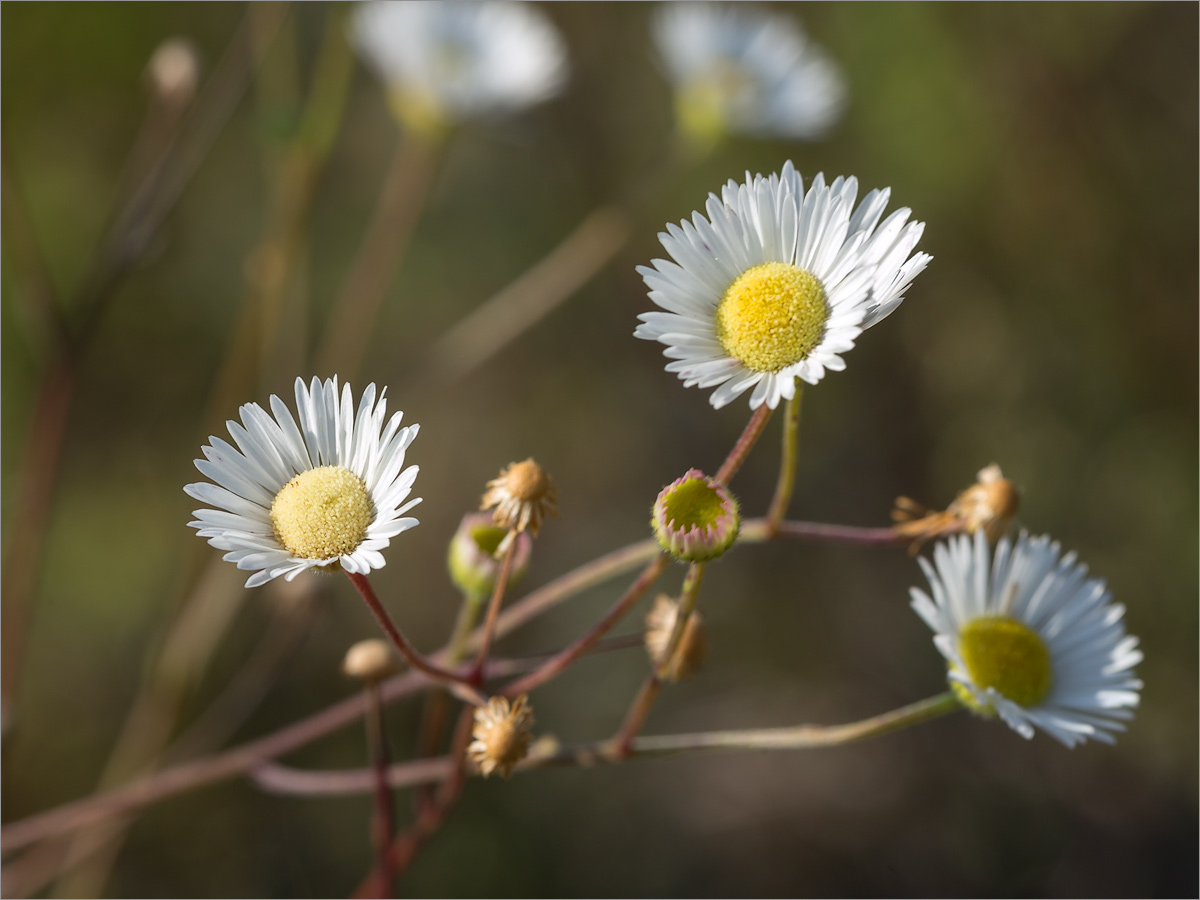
x=990, y=504
x=694, y=518
x=370, y=660
x=693, y=645
x=501, y=735
x=472, y=556
x=523, y=495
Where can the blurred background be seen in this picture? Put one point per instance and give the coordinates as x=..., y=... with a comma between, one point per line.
x=1052, y=150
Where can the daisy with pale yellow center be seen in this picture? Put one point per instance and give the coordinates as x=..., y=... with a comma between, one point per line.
x=326, y=493
x=1028, y=637
x=776, y=283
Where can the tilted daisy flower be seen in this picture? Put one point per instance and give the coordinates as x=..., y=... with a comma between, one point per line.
x=443, y=62
x=777, y=282
x=745, y=71
x=324, y=494
x=1029, y=637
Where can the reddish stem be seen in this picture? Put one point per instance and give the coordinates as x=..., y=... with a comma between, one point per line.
x=851, y=534
x=554, y=666
x=493, y=611
x=383, y=819
x=745, y=443
x=407, y=650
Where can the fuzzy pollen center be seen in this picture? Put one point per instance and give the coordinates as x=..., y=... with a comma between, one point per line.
x=772, y=316
x=1009, y=656
x=693, y=504
x=322, y=513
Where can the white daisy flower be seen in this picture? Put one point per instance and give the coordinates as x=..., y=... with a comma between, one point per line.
x=1027, y=636
x=743, y=70
x=322, y=495
x=776, y=283
x=452, y=61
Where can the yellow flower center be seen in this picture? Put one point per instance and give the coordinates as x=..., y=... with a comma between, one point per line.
x=772, y=316
x=1007, y=655
x=693, y=503
x=322, y=513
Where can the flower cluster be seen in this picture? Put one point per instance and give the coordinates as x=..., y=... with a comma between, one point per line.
x=771, y=287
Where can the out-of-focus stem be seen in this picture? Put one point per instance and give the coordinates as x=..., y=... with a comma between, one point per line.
x=31, y=513
x=745, y=443
x=203, y=619
x=433, y=714
x=557, y=664
x=644, y=702
x=539, y=290
x=383, y=818
x=787, y=463
x=351, y=320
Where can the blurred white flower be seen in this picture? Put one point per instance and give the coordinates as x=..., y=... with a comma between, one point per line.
x=742, y=70
x=1029, y=637
x=443, y=62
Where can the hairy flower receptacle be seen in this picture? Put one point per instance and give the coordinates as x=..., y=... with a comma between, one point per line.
x=694, y=518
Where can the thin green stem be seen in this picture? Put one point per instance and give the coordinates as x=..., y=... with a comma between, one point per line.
x=285, y=780
x=787, y=463
x=745, y=443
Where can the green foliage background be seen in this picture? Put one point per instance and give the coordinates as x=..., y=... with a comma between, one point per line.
x=1052, y=150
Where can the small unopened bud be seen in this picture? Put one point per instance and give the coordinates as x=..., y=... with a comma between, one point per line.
x=692, y=647
x=174, y=71
x=501, y=735
x=523, y=494
x=370, y=660
x=990, y=504
x=695, y=518
x=472, y=556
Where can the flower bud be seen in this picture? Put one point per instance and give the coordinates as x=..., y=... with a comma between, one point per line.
x=695, y=518
x=370, y=660
x=174, y=71
x=472, y=556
